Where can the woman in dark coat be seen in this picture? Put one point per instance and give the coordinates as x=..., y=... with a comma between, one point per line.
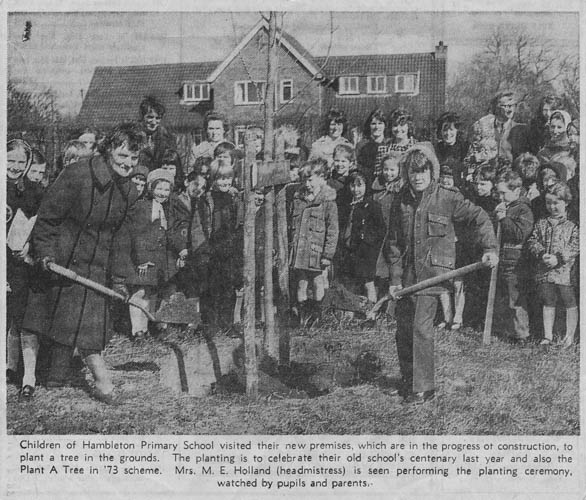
x=80, y=226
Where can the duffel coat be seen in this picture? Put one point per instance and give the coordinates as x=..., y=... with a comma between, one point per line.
x=314, y=228
x=80, y=224
x=423, y=233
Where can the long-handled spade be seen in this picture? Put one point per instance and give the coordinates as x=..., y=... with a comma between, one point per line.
x=422, y=285
x=177, y=309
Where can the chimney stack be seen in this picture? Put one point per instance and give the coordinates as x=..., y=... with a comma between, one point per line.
x=441, y=50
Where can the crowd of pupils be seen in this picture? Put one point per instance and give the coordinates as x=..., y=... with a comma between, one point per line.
x=187, y=225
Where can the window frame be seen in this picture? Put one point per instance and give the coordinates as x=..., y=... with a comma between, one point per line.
x=192, y=86
x=370, y=90
x=415, y=89
x=246, y=101
x=282, y=99
x=343, y=79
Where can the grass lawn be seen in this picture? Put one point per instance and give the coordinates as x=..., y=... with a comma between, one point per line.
x=499, y=389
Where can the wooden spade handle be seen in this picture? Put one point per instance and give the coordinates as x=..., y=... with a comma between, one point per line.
x=487, y=332
x=436, y=280
x=422, y=285
x=96, y=287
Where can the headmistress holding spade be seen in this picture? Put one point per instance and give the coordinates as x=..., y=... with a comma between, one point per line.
x=80, y=226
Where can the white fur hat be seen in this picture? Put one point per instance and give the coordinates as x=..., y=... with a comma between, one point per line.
x=160, y=174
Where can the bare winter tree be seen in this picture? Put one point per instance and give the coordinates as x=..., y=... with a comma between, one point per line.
x=514, y=60
x=571, y=85
x=30, y=110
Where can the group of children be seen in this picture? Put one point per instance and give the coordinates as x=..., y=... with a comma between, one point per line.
x=186, y=232
x=532, y=201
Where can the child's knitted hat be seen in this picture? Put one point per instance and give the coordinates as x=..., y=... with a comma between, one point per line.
x=159, y=174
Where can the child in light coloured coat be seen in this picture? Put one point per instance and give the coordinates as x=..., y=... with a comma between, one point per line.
x=554, y=242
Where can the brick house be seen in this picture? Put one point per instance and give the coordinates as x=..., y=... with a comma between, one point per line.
x=308, y=87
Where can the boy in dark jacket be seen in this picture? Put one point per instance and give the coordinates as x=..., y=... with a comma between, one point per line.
x=423, y=235
x=314, y=237
x=516, y=222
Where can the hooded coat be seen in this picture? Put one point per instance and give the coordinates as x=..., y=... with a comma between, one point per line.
x=423, y=233
x=314, y=229
x=81, y=224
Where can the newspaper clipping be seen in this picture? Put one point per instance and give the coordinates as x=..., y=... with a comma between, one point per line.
x=276, y=249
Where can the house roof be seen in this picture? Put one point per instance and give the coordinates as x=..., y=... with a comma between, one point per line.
x=372, y=64
x=115, y=92
x=287, y=41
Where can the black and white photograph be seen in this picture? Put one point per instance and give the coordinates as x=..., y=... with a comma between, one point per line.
x=283, y=250
x=292, y=223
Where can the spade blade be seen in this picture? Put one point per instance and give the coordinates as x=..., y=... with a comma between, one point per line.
x=178, y=309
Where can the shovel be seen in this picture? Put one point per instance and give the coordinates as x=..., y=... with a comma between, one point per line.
x=177, y=309
x=422, y=285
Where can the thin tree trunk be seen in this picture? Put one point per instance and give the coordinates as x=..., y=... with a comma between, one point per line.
x=271, y=338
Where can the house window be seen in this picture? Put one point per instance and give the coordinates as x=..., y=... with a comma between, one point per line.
x=286, y=90
x=195, y=92
x=407, y=83
x=240, y=136
x=377, y=84
x=249, y=92
x=348, y=85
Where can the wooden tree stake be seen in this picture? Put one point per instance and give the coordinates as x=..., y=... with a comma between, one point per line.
x=251, y=366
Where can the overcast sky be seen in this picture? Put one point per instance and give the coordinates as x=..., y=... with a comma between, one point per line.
x=66, y=47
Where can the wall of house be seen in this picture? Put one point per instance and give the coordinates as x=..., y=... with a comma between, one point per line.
x=251, y=64
x=425, y=107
